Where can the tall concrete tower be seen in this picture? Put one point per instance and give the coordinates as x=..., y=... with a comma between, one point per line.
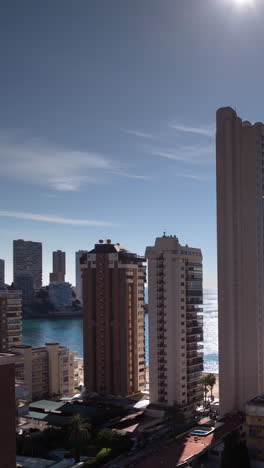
x=240, y=236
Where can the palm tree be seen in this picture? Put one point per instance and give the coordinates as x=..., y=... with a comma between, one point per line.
x=79, y=433
x=209, y=380
x=211, y=383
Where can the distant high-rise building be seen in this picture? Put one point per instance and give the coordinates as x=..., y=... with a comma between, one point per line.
x=10, y=319
x=8, y=411
x=2, y=273
x=240, y=235
x=175, y=326
x=27, y=257
x=60, y=295
x=78, y=289
x=59, y=268
x=113, y=320
x=25, y=283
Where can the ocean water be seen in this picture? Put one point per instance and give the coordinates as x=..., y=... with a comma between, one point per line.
x=68, y=332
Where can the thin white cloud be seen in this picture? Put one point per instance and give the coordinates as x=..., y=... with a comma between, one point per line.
x=53, y=219
x=208, y=131
x=136, y=133
x=197, y=177
x=38, y=162
x=186, y=154
x=130, y=176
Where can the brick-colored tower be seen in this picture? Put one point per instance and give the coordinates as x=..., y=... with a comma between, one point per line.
x=113, y=320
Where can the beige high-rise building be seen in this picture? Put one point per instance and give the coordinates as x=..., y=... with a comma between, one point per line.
x=175, y=325
x=27, y=257
x=240, y=233
x=10, y=319
x=113, y=320
x=46, y=371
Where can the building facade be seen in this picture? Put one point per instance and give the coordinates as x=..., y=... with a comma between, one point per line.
x=47, y=370
x=2, y=273
x=254, y=428
x=240, y=236
x=113, y=320
x=78, y=274
x=10, y=319
x=60, y=295
x=59, y=266
x=8, y=411
x=25, y=284
x=27, y=257
x=175, y=323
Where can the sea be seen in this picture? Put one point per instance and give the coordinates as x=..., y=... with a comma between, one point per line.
x=68, y=332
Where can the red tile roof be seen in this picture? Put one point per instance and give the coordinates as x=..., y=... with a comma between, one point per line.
x=186, y=446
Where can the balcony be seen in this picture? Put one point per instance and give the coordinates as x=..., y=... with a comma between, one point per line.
x=193, y=361
x=194, y=368
x=194, y=330
x=193, y=346
x=194, y=377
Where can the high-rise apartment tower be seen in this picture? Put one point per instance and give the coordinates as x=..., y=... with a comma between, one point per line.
x=175, y=324
x=78, y=289
x=113, y=320
x=10, y=319
x=59, y=268
x=240, y=235
x=2, y=273
x=27, y=257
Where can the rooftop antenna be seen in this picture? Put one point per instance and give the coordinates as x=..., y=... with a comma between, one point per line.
x=165, y=233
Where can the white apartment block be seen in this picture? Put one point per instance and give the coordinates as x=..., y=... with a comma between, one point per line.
x=175, y=325
x=47, y=371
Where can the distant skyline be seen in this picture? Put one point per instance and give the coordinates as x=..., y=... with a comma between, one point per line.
x=107, y=120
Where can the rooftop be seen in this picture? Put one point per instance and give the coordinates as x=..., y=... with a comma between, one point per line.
x=187, y=447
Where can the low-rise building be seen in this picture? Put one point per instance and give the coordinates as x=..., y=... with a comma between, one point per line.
x=10, y=319
x=48, y=371
x=60, y=295
x=254, y=428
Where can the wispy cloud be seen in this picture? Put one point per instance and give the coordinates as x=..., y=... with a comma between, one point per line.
x=38, y=162
x=53, y=219
x=130, y=176
x=186, y=154
x=136, y=133
x=200, y=178
x=208, y=131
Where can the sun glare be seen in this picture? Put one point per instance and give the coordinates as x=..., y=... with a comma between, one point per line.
x=244, y=2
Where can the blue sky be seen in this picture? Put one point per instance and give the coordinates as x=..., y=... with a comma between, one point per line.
x=107, y=119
